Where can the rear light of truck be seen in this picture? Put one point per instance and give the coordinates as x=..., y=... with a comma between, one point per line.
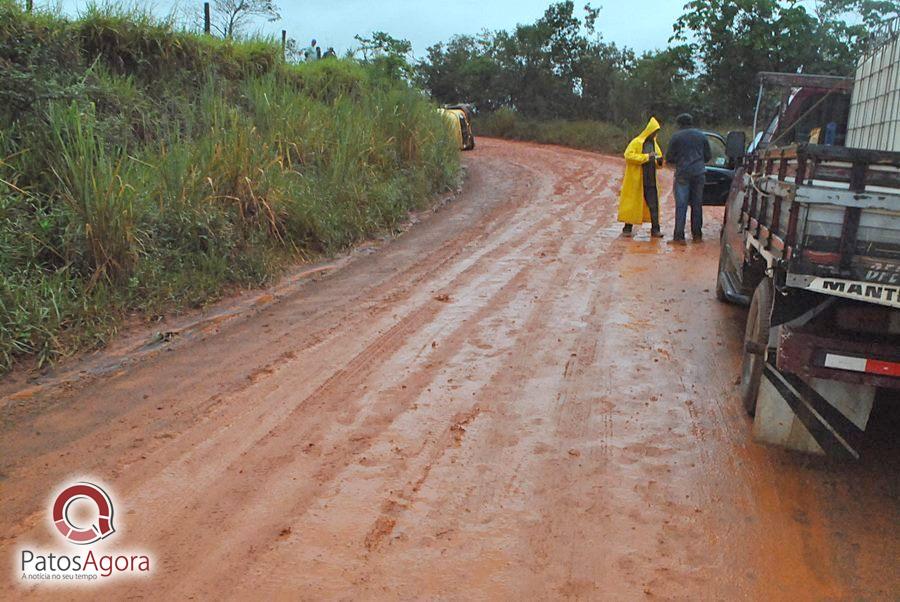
x=862, y=364
x=822, y=257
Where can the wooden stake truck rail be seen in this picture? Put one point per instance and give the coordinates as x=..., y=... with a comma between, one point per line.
x=812, y=241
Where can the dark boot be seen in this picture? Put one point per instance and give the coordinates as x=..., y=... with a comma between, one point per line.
x=626, y=231
x=655, y=233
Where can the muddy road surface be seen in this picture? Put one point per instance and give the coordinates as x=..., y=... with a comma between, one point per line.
x=508, y=402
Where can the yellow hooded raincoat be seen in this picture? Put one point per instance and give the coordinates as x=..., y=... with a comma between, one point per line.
x=632, y=207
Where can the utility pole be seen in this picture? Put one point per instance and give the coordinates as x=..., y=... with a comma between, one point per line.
x=284, y=44
x=207, y=26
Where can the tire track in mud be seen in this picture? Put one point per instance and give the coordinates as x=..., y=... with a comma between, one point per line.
x=457, y=430
x=696, y=399
x=493, y=489
x=531, y=231
x=354, y=377
x=388, y=288
x=218, y=400
x=401, y=499
x=494, y=409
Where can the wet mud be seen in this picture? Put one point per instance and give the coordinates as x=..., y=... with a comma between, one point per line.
x=511, y=401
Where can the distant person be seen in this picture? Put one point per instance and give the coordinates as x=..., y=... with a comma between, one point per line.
x=311, y=52
x=639, y=199
x=329, y=54
x=689, y=151
x=831, y=133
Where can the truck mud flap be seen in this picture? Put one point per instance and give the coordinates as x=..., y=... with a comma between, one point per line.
x=790, y=413
x=732, y=290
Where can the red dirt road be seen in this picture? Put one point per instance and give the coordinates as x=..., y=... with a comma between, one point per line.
x=508, y=402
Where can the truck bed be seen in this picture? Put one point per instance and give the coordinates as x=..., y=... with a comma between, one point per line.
x=828, y=216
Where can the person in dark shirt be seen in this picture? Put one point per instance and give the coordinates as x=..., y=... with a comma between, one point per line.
x=689, y=151
x=651, y=192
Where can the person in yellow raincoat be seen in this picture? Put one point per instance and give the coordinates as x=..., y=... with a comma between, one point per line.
x=639, y=198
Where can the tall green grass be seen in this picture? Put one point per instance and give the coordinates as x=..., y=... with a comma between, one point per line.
x=143, y=169
x=585, y=134
x=95, y=184
x=599, y=136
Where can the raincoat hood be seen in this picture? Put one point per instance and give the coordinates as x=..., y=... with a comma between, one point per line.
x=652, y=127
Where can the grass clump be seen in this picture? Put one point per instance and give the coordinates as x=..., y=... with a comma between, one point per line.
x=144, y=169
x=591, y=135
x=585, y=134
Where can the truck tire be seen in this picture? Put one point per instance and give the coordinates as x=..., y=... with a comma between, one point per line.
x=756, y=339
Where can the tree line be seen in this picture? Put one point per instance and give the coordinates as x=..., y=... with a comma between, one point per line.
x=560, y=66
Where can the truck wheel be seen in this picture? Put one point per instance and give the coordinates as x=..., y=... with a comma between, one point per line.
x=756, y=340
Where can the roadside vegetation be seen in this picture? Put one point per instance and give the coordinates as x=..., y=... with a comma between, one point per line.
x=585, y=134
x=144, y=169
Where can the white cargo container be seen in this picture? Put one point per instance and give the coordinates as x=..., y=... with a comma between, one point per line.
x=875, y=105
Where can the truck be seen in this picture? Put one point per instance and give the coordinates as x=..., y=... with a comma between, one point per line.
x=459, y=120
x=810, y=242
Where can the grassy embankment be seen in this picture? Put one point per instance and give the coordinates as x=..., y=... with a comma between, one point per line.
x=144, y=169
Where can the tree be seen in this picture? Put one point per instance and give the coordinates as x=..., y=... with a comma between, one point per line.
x=735, y=39
x=871, y=13
x=851, y=22
x=388, y=53
x=231, y=16
x=657, y=84
x=560, y=67
x=555, y=67
x=464, y=70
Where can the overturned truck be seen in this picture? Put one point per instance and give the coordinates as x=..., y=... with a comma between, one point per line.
x=811, y=242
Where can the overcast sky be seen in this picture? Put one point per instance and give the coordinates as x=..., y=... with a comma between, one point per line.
x=640, y=25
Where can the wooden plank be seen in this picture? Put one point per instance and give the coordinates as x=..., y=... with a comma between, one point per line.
x=802, y=80
x=873, y=177
x=849, y=234
x=850, y=155
x=793, y=217
x=824, y=152
x=777, y=242
x=817, y=195
x=776, y=214
x=858, y=177
x=800, y=176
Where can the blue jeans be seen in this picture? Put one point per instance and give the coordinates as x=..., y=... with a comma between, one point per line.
x=689, y=192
